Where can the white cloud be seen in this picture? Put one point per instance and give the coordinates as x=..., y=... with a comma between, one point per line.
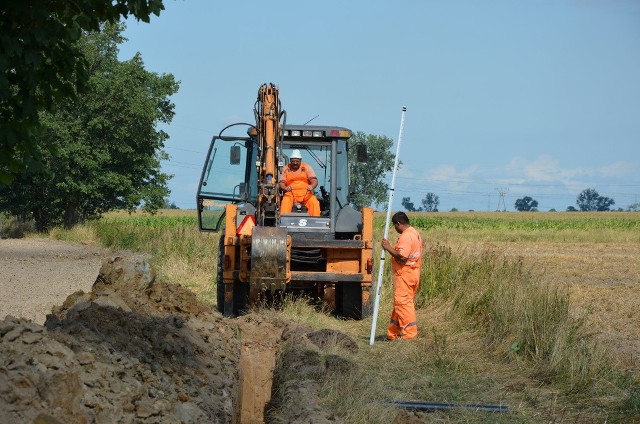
x=616, y=169
x=544, y=169
x=451, y=178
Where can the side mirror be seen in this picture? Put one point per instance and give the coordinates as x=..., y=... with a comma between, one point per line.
x=361, y=153
x=234, y=155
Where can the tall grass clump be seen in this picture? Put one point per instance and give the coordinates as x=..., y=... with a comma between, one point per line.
x=183, y=254
x=180, y=252
x=12, y=227
x=524, y=317
x=81, y=233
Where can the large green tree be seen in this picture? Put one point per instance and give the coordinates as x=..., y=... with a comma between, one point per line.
x=41, y=63
x=103, y=150
x=526, y=204
x=589, y=200
x=367, y=178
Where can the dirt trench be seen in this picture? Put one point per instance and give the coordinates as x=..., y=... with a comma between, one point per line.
x=135, y=349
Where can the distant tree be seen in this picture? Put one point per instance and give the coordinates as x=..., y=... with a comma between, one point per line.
x=169, y=205
x=409, y=205
x=106, y=150
x=571, y=209
x=589, y=200
x=526, y=204
x=368, y=178
x=453, y=210
x=42, y=65
x=634, y=207
x=552, y=210
x=430, y=202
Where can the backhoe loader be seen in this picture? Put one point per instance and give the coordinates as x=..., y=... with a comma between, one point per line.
x=264, y=253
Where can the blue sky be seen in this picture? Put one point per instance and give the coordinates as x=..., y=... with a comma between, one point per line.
x=528, y=98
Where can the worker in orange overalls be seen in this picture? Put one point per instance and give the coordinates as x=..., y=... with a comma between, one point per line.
x=405, y=265
x=297, y=181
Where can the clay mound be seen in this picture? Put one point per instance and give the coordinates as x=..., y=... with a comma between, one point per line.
x=134, y=349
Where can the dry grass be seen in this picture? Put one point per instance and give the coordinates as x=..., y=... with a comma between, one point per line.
x=491, y=329
x=80, y=233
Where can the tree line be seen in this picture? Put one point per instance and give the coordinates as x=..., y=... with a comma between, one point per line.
x=589, y=200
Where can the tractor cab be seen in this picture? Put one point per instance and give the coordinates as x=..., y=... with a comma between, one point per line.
x=230, y=175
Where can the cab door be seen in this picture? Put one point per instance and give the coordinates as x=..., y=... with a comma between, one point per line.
x=229, y=175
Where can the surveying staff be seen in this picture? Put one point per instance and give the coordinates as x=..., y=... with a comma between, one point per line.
x=405, y=266
x=297, y=181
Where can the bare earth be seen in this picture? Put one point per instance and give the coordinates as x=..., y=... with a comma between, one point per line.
x=90, y=335
x=36, y=274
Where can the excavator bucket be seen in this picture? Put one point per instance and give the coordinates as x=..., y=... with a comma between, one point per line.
x=269, y=261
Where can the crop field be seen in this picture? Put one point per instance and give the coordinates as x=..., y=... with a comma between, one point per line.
x=468, y=221
x=531, y=221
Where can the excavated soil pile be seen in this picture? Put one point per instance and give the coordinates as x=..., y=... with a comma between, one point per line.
x=134, y=349
x=137, y=350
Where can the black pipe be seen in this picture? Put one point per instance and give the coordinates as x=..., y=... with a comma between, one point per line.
x=434, y=406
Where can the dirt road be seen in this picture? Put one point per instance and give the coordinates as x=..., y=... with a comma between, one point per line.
x=36, y=274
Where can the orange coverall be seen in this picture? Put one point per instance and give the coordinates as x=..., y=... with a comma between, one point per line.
x=298, y=181
x=406, y=278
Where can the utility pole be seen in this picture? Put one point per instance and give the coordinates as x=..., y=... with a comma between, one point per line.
x=502, y=192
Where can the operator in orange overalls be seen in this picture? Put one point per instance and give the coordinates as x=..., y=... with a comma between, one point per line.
x=405, y=266
x=297, y=181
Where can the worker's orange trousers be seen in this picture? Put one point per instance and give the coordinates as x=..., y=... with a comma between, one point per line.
x=403, y=323
x=309, y=200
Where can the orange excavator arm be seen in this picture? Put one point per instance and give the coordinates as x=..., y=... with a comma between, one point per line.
x=268, y=116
